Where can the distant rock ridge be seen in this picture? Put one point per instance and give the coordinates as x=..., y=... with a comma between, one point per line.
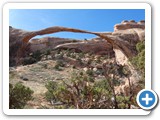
x=95, y=47
x=48, y=43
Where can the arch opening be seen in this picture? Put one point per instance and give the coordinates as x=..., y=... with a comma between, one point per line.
x=67, y=35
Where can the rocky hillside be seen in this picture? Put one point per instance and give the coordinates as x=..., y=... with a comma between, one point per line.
x=37, y=61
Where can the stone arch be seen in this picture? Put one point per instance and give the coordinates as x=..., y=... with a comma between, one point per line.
x=22, y=38
x=123, y=46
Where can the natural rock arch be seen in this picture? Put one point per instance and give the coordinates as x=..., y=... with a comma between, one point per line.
x=121, y=45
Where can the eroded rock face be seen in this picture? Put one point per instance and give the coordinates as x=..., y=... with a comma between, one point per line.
x=129, y=25
x=101, y=47
x=95, y=46
x=130, y=36
x=15, y=43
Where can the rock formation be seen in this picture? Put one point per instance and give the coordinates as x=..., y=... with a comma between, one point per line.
x=94, y=47
x=90, y=46
x=48, y=43
x=129, y=24
x=123, y=39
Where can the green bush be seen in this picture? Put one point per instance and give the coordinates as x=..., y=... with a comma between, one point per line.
x=59, y=64
x=37, y=55
x=57, y=67
x=80, y=92
x=74, y=67
x=103, y=84
x=34, y=57
x=51, y=87
x=19, y=95
x=73, y=55
x=81, y=55
x=139, y=61
x=79, y=60
x=47, y=52
x=90, y=72
x=140, y=46
x=28, y=60
x=91, y=79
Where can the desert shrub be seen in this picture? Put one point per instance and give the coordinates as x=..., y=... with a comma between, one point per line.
x=81, y=55
x=113, y=73
x=91, y=79
x=90, y=72
x=34, y=57
x=12, y=62
x=44, y=65
x=37, y=55
x=58, y=51
x=98, y=60
x=116, y=82
x=139, y=61
x=67, y=54
x=73, y=55
x=123, y=101
x=80, y=92
x=89, y=61
x=102, y=84
x=19, y=95
x=73, y=41
x=123, y=71
x=48, y=52
x=79, y=60
x=140, y=46
x=51, y=87
x=57, y=67
x=73, y=66
x=59, y=64
x=28, y=60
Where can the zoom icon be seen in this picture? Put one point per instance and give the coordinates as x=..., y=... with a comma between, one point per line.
x=147, y=99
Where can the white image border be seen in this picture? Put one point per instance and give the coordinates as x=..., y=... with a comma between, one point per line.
x=8, y=6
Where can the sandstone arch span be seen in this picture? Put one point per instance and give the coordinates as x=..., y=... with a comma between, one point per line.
x=121, y=45
x=19, y=39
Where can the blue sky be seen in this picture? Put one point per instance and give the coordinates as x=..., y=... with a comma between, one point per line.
x=98, y=20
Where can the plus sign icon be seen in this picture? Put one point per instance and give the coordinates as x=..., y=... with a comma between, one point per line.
x=147, y=99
